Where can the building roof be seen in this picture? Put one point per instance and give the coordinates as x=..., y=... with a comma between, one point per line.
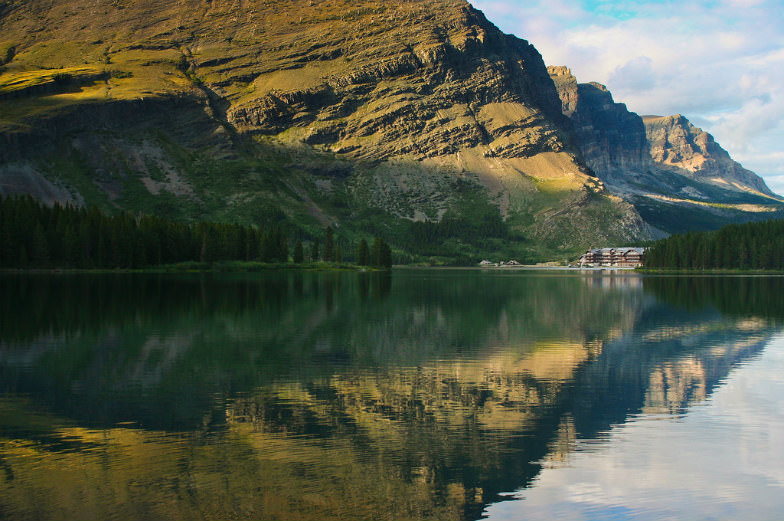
x=622, y=250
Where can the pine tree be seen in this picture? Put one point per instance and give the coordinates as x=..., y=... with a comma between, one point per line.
x=283, y=246
x=270, y=244
x=329, y=245
x=40, y=247
x=363, y=253
x=299, y=254
x=385, y=258
x=314, y=250
x=375, y=252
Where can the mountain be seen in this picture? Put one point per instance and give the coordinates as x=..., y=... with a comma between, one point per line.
x=674, y=173
x=370, y=116
x=676, y=143
x=610, y=138
x=418, y=121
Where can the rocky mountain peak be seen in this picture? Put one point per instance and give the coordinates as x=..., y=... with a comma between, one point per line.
x=677, y=144
x=610, y=137
x=566, y=84
x=662, y=164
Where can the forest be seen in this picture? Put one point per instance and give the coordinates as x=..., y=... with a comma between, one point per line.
x=34, y=235
x=748, y=246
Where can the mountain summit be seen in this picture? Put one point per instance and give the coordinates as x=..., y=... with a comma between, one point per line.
x=674, y=173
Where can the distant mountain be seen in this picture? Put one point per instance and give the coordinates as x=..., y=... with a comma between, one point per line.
x=677, y=144
x=674, y=173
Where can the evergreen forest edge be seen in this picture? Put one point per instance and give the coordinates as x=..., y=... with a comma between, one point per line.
x=36, y=236
x=747, y=246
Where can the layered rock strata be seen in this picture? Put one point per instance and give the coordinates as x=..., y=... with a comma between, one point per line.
x=417, y=99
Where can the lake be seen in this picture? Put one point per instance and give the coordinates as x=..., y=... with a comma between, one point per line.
x=417, y=394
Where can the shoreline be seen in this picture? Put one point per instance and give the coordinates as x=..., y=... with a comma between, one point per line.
x=244, y=267
x=255, y=267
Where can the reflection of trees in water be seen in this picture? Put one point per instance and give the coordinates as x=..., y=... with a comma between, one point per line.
x=442, y=391
x=32, y=305
x=754, y=295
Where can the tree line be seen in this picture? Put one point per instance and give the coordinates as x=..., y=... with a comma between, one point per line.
x=34, y=235
x=754, y=245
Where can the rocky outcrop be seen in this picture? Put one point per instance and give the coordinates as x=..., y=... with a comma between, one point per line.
x=617, y=143
x=677, y=144
x=421, y=93
x=609, y=137
x=672, y=172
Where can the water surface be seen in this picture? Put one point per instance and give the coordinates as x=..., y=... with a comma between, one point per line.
x=422, y=394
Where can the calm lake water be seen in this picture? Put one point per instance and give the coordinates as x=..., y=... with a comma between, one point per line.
x=421, y=394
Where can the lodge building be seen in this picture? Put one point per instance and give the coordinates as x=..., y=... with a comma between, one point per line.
x=612, y=257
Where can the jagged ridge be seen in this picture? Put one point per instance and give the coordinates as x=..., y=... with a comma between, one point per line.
x=675, y=174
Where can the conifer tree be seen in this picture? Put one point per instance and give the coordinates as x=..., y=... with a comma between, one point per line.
x=363, y=253
x=381, y=254
x=329, y=245
x=40, y=247
x=385, y=258
x=283, y=246
x=299, y=254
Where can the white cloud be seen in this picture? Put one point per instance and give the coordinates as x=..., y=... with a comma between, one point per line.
x=719, y=63
x=637, y=75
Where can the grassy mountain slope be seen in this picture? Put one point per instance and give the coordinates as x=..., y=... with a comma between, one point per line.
x=365, y=115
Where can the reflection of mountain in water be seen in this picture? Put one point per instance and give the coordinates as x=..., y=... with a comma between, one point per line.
x=316, y=396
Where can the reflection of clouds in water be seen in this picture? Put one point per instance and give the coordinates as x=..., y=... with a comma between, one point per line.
x=719, y=461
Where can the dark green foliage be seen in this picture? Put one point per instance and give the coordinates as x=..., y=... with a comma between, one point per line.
x=363, y=253
x=33, y=235
x=329, y=244
x=381, y=254
x=274, y=245
x=299, y=253
x=737, y=246
x=314, y=250
x=428, y=237
x=40, y=246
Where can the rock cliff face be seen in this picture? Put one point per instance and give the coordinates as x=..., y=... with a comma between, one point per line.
x=330, y=111
x=676, y=143
x=609, y=137
x=675, y=174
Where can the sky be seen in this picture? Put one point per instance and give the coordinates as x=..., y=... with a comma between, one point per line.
x=720, y=63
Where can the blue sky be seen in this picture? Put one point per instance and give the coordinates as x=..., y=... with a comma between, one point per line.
x=718, y=62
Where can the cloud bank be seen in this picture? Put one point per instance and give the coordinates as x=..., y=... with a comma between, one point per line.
x=718, y=62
